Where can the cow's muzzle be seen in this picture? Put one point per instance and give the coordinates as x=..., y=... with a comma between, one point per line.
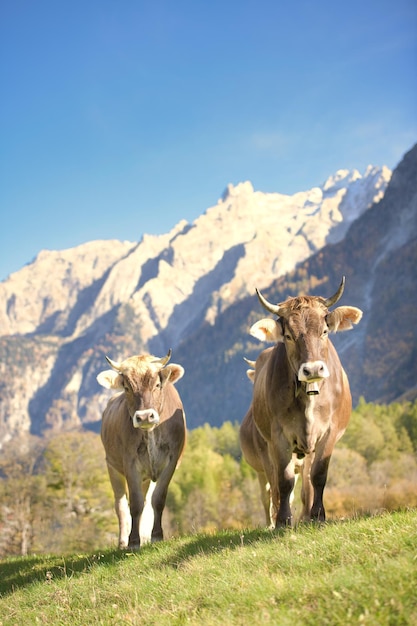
x=146, y=419
x=311, y=373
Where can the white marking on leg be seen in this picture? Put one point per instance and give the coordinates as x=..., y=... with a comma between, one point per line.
x=148, y=516
x=271, y=507
x=292, y=492
x=125, y=521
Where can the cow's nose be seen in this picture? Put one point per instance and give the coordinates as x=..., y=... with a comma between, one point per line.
x=312, y=370
x=146, y=419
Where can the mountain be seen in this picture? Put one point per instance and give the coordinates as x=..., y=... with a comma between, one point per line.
x=190, y=289
x=378, y=256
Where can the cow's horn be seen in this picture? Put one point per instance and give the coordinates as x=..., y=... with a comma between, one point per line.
x=114, y=365
x=331, y=301
x=251, y=363
x=272, y=308
x=164, y=359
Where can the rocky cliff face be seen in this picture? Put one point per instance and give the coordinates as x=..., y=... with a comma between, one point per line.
x=378, y=256
x=60, y=314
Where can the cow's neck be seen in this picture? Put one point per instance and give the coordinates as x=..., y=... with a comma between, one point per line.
x=153, y=444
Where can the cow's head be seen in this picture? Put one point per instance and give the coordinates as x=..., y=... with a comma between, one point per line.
x=303, y=325
x=142, y=379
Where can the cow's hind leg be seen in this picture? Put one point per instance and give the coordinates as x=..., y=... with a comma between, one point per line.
x=266, y=498
x=121, y=506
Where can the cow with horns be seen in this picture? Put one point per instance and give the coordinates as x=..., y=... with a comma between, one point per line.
x=143, y=432
x=301, y=402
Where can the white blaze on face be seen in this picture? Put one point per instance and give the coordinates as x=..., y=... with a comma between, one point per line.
x=148, y=516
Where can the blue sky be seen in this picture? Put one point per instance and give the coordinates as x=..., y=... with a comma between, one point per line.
x=121, y=118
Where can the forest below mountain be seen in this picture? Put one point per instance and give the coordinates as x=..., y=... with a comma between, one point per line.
x=56, y=497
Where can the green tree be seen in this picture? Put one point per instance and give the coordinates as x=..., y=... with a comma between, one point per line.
x=206, y=491
x=79, y=498
x=408, y=420
x=21, y=492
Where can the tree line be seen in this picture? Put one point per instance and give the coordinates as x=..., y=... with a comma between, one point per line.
x=55, y=495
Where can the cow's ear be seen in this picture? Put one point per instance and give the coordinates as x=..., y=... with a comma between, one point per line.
x=110, y=379
x=267, y=330
x=172, y=372
x=343, y=318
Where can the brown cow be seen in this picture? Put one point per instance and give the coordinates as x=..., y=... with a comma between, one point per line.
x=301, y=400
x=143, y=433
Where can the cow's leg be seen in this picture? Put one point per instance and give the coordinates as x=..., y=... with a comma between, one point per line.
x=255, y=451
x=318, y=477
x=136, y=507
x=306, y=489
x=121, y=505
x=266, y=498
x=319, y=471
x=159, y=498
x=158, y=502
x=271, y=496
x=285, y=479
x=148, y=516
x=286, y=482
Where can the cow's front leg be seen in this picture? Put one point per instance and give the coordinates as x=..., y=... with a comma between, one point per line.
x=307, y=494
x=148, y=515
x=159, y=497
x=286, y=482
x=121, y=506
x=318, y=477
x=318, y=480
x=136, y=508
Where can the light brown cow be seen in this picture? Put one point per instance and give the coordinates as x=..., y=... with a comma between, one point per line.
x=301, y=401
x=143, y=433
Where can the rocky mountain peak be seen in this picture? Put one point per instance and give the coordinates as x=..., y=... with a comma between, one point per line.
x=231, y=191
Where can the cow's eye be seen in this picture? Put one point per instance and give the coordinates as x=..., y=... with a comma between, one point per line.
x=288, y=337
x=325, y=332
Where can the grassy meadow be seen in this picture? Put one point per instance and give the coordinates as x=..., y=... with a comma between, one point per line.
x=354, y=571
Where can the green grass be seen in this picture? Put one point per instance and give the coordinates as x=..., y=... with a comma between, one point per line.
x=361, y=571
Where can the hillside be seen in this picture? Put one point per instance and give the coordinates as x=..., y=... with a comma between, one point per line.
x=361, y=571
x=192, y=290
